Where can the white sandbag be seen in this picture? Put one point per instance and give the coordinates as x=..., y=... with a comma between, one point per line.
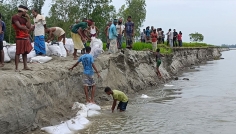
x=11, y=50
x=55, y=49
x=92, y=106
x=96, y=47
x=92, y=113
x=58, y=129
x=144, y=96
x=6, y=56
x=83, y=110
x=82, y=120
x=69, y=45
x=63, y=50
x=32, y=44
x=48, y=52
x=167, y=85
x=77, y=123
x=4, y=43
x=41, y=59
x=31, y=55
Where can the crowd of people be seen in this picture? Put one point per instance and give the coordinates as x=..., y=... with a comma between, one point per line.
x=157, y=36
x=81, y=32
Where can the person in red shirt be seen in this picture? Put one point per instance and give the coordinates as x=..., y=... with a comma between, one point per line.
x=21, y=24
x=154, y=36
x=180, y=38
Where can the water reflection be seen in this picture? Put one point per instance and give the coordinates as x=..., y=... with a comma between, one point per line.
x=203, y=105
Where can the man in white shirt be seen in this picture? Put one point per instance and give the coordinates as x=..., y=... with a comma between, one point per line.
x=120, y=31
x=170, y=38
x=39, y=26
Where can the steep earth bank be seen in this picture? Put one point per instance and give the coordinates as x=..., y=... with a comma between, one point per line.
x=32, y=99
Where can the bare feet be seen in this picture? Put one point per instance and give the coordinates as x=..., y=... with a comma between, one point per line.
x=17, y=70
x=27, y=68
x=1, y=65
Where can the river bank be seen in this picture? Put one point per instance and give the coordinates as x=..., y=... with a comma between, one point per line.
x=43, y=97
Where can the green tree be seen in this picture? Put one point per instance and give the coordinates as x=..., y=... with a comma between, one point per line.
x=196, y=37
x=137, y=10
x=38, y=4
x=64, y=12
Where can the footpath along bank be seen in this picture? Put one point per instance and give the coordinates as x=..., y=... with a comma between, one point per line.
x=33, y=99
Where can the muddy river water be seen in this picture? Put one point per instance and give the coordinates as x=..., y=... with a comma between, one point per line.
x=206, y=104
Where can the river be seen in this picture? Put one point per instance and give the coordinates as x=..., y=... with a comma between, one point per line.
x=206, y=104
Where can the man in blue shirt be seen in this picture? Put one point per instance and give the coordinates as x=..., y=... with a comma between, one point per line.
x=88, y=64
x=2, y=30
x=113, y=37
x=129, y=33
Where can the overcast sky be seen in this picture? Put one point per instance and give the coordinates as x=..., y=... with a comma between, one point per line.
x=215, y=19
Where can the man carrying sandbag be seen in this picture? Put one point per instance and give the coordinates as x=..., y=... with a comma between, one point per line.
x=117, y=96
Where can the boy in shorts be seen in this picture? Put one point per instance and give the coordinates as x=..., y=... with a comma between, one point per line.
x=117, y=96
x=158, y=60
x=88, y=64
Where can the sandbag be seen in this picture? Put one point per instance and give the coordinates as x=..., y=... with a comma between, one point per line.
x=58, y=129
x=11, y=50
x=69, y=45
x=55, y=49
x=96, y=47
x=48, y=52
x=5, y=43
x=31, y=55
x=92, y=106
x=77, y=123
x=41, y=59
x=63, y=50
x=6, y=56
x=92, y=113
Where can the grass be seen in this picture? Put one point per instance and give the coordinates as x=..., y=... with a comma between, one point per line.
x=164, y=49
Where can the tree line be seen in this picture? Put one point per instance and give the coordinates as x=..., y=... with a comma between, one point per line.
x=63, y=13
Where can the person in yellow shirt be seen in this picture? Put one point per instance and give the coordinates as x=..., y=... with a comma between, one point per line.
x=117, y=96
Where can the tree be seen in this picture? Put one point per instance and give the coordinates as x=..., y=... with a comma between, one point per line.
x=38, y=4
x=196, y=37
x=137, y=10
x=64, y=12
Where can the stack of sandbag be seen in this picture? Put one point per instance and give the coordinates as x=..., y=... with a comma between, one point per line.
x=56, y=49
x=6, y=56
x=96, y=47
x=69, y=45
x=77, y=123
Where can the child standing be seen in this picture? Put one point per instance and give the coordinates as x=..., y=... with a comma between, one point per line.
x=180, y=38
x=158, y=60
x=154, y=40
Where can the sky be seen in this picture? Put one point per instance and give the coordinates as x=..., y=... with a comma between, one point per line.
x=215, y=19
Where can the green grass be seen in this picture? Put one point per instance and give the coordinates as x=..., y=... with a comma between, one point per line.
x=194, y=44
x=164, y=49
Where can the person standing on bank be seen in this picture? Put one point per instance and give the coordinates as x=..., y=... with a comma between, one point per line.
x=170, y=38
x=39, y=33
x=117, y=96
x=107, y=34
x=88, y=64
x=129, y=32
x=120, y=29
x=94, y=32
x=175, y=34
x=2, y=31
x=21, y=24
x=154, y=37
x=180, y=38
x=113, y=37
